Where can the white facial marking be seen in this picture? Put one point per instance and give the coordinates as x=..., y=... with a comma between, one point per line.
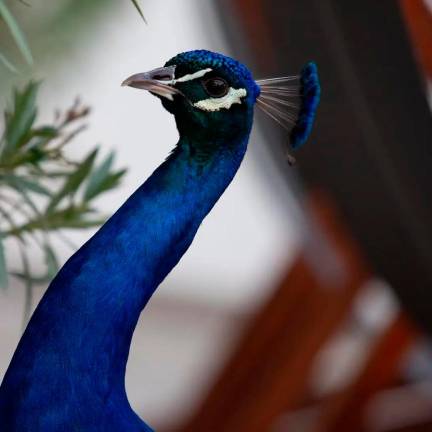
x=190, y=77
x=215, y=104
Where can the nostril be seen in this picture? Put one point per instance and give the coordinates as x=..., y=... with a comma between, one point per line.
x=160, y=77
x=163, y=74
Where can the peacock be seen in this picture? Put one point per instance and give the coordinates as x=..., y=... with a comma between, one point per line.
x=68, y=371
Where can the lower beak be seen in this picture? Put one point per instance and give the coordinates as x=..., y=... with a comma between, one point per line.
x=158, y=81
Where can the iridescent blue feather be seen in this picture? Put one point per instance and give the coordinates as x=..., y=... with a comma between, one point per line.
x=310, y=96
x=292, y=102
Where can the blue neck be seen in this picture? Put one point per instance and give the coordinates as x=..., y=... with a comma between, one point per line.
x=71, y=361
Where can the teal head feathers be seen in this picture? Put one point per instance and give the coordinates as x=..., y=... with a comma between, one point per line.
x=214, y=95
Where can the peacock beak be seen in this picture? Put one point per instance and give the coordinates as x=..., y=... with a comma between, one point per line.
x=158, y=81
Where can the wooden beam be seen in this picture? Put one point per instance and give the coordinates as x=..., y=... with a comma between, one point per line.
x=346, y=410
x=419, y=22
x=370, y=147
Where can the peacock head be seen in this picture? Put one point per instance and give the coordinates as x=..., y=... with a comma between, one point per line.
x=212, y=95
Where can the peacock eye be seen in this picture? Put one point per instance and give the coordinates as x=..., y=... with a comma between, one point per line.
x=216, y=87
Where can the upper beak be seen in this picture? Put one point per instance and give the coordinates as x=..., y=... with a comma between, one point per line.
x=159, y=81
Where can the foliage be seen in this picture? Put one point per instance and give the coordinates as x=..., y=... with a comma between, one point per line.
x=138, y=8
x=19, y=38
x=42, y=190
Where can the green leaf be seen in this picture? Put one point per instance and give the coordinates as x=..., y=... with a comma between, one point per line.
x=111, y=181
x=50, y=261
x=138, y=8
x=11, y=222
x=16, y=33
x=52, y=268
x=7, y=63
x=26, y=198
x=84, y=223
x=57, y=174
x=33, y=279
x=74, y=180
x=3, y=271
x=21, y=187
x=20, y=120
x=41, y=136
x=98, y=177
x=71, y=217
x=45, y=132
x=28, y=285
x=21, y=183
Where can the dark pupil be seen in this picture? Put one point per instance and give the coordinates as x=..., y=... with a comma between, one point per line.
x=216, y=87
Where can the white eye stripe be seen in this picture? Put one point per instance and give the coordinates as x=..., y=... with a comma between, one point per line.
x=188, y=77
x=215, y=104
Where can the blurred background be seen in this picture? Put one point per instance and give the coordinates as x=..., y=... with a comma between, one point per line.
x=304, y=303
